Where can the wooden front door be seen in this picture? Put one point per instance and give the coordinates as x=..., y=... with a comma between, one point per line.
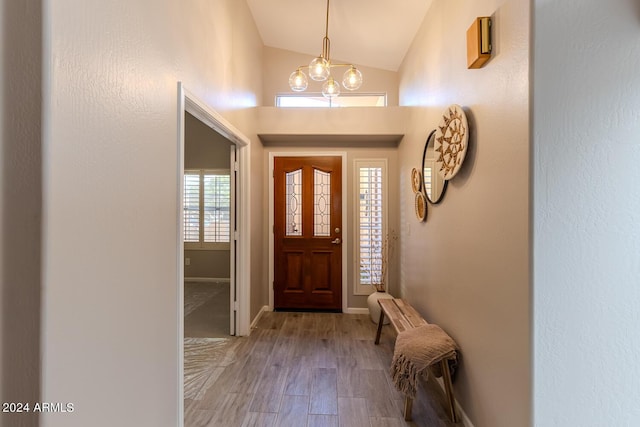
x=308, y=233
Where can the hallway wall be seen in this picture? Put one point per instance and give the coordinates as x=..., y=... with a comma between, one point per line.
x=467, y=268
x=586, y=139
x=111, y=164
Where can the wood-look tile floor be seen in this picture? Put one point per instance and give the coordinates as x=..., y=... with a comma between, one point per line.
x=311, y=369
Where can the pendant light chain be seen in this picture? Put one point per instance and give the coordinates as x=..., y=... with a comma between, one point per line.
x=326, y=42
x=326, y=28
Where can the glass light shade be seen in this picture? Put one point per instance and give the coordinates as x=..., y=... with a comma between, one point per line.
x=319, y=69
x=352, y=79
x=298, y=81
x=331, y=88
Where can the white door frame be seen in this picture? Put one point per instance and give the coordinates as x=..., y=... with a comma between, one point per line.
x=344, y=233
x=188, y=102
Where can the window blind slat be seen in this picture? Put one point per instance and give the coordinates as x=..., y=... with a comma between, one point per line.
x=213, y=191
x=191, y=208
x=217, y=191
x=370, y=224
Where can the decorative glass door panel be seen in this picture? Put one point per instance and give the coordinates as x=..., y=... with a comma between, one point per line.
x=322, y=203
x=294, y=203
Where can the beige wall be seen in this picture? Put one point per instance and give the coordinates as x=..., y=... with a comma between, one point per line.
x=20, y=206
x=205, y=148
x=353, y=121
x=279, y=64
x=208, y=264
x=468, y=267
x=258, y=279
x=110, y=268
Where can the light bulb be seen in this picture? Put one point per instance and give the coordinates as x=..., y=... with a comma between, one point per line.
x=298, y=81
x=331, y=88
x=352, y=79
x=319, y=69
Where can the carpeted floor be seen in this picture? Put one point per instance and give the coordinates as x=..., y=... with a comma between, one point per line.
x=206, y=310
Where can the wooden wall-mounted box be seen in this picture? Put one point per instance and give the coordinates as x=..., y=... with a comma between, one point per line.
x=479, y=42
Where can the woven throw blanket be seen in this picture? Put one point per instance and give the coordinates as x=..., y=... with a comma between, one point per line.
x=416, y=349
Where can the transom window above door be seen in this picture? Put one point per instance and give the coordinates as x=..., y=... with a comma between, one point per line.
x=316, y=100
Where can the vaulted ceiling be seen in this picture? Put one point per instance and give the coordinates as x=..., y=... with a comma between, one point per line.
x=374, y=33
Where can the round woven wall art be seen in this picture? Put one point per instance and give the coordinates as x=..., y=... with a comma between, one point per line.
x=452, y=140
x=416, y=180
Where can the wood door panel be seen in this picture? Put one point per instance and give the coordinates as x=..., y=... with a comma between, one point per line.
x=294, y=268
x=321, y=271
x=308, y=264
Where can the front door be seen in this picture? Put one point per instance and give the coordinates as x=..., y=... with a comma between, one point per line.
x=308, y=233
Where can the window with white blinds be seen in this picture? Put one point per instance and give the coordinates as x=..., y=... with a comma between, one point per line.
x=207, y=206
x=191, y=206
x=371, y=222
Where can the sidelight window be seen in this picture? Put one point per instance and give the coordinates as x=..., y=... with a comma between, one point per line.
x=371, y=222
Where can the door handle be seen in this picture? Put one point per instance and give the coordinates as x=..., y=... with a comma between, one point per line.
x=336, y=241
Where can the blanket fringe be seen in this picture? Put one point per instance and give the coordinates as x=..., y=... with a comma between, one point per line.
x=404, y=374
x=417, y=350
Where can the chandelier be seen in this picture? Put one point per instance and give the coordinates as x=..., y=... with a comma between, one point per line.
x=320, y=70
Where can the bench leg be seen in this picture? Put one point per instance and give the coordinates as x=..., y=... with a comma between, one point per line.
x=380, y=322
x=448, y=388
x=408, y=404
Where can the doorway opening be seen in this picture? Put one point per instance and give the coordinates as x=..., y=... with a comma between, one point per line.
x=239, y=220
x=209, y=291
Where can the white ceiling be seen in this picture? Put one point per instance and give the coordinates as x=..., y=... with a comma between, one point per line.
x=374, y=33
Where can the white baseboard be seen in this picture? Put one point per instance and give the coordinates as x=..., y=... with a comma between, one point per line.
x=354, y=310
x=258, y=316
x=208, y=279
x=464, y=419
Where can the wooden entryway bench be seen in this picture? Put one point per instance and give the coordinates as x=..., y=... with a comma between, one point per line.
x=404, y=317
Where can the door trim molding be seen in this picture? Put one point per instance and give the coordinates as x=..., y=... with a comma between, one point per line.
x=345, y=239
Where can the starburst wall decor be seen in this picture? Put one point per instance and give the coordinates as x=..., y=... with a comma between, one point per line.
x=452, y=137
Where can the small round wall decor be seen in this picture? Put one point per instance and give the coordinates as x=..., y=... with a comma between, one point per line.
x=421, y=206
x=416, y=180
x=452, y=138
